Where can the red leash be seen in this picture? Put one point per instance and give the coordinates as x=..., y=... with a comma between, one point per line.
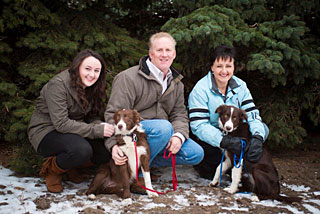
x=174, y=177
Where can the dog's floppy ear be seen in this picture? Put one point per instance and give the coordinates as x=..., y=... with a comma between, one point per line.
x=136, y=116
x=115, y=115
x=219, y=110
x=243, y=115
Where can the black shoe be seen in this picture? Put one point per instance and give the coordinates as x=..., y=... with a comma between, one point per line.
x=204, y=173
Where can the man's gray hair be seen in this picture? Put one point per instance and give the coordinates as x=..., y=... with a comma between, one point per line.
x=160, y=35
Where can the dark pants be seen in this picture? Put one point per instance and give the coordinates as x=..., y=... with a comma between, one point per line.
x=212, y=158
x=72, y=150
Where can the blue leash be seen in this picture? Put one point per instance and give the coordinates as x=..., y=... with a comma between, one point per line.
x=243, y=146
x=221, y=166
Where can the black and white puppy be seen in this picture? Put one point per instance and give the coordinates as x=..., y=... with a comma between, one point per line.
x=262, y=177
x=231, y=122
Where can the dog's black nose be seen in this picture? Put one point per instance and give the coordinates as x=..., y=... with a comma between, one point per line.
x=120, y=126
x=228, y=128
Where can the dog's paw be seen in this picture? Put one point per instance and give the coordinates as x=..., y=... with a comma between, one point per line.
x=230, y=190
x=213, y=183
x=152, y=194
x=91, y=197
x=126, y=202
x=254, y=198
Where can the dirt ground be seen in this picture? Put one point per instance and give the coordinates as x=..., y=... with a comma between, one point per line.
x=300, y=167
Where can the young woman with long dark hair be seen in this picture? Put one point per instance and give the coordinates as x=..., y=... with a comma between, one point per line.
x=65, y=127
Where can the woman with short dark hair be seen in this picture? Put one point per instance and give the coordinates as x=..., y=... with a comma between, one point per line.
x=217, y=88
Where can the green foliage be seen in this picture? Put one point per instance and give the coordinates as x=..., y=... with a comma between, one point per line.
x=27, y=162
x=283, y=119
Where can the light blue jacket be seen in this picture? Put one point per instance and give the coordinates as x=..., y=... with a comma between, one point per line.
x=205, y=98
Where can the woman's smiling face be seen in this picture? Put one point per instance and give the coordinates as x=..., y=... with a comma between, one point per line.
x=223, y=71
x=89, y=71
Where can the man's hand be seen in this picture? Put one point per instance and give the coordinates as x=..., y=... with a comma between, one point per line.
x=255, y=148
x=174, y=145
x=233, y=144
x=118, y=156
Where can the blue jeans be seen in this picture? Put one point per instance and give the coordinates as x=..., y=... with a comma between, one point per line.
x=158, y=134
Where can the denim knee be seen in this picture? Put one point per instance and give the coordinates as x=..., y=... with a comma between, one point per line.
x=162, y=127
x=199, y=156
x=166, y=128
x=192, y=152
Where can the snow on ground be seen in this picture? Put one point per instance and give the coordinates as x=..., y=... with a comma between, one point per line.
x=23, y=195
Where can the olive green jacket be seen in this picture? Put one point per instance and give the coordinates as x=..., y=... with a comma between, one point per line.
x=137, y=88
x=58, y=108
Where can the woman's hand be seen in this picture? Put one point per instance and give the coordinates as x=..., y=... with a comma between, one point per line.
x=108, y=130
x=118, y=156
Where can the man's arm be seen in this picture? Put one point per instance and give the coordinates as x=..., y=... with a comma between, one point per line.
x=122, y=96
x=178, y=116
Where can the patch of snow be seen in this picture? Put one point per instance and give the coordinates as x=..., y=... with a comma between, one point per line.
x=18, y=195
x=297, y=188
x=153, y=205
x=237, y=208
x=311, y=209
x=180, y=199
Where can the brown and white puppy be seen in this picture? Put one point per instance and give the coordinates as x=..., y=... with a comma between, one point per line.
x=262, y=177
x=116, y=179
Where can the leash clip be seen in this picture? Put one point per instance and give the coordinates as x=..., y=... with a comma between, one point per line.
x=134, y=138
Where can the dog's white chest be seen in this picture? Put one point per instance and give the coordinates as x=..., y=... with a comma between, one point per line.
x=129, y=150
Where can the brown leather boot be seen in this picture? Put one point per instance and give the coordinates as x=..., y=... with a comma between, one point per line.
x=52, y=174
x=135, y=188
x=74, y=176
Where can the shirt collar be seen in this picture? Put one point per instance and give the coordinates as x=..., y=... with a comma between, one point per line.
x=232, y=84
x=156, y=71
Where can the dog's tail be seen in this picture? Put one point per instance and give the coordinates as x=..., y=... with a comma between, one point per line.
x=289, y=199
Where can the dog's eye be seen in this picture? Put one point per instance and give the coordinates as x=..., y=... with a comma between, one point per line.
x=234, y=118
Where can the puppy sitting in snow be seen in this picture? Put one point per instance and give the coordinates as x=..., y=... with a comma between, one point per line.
x=262, y=177
x=116, y=179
